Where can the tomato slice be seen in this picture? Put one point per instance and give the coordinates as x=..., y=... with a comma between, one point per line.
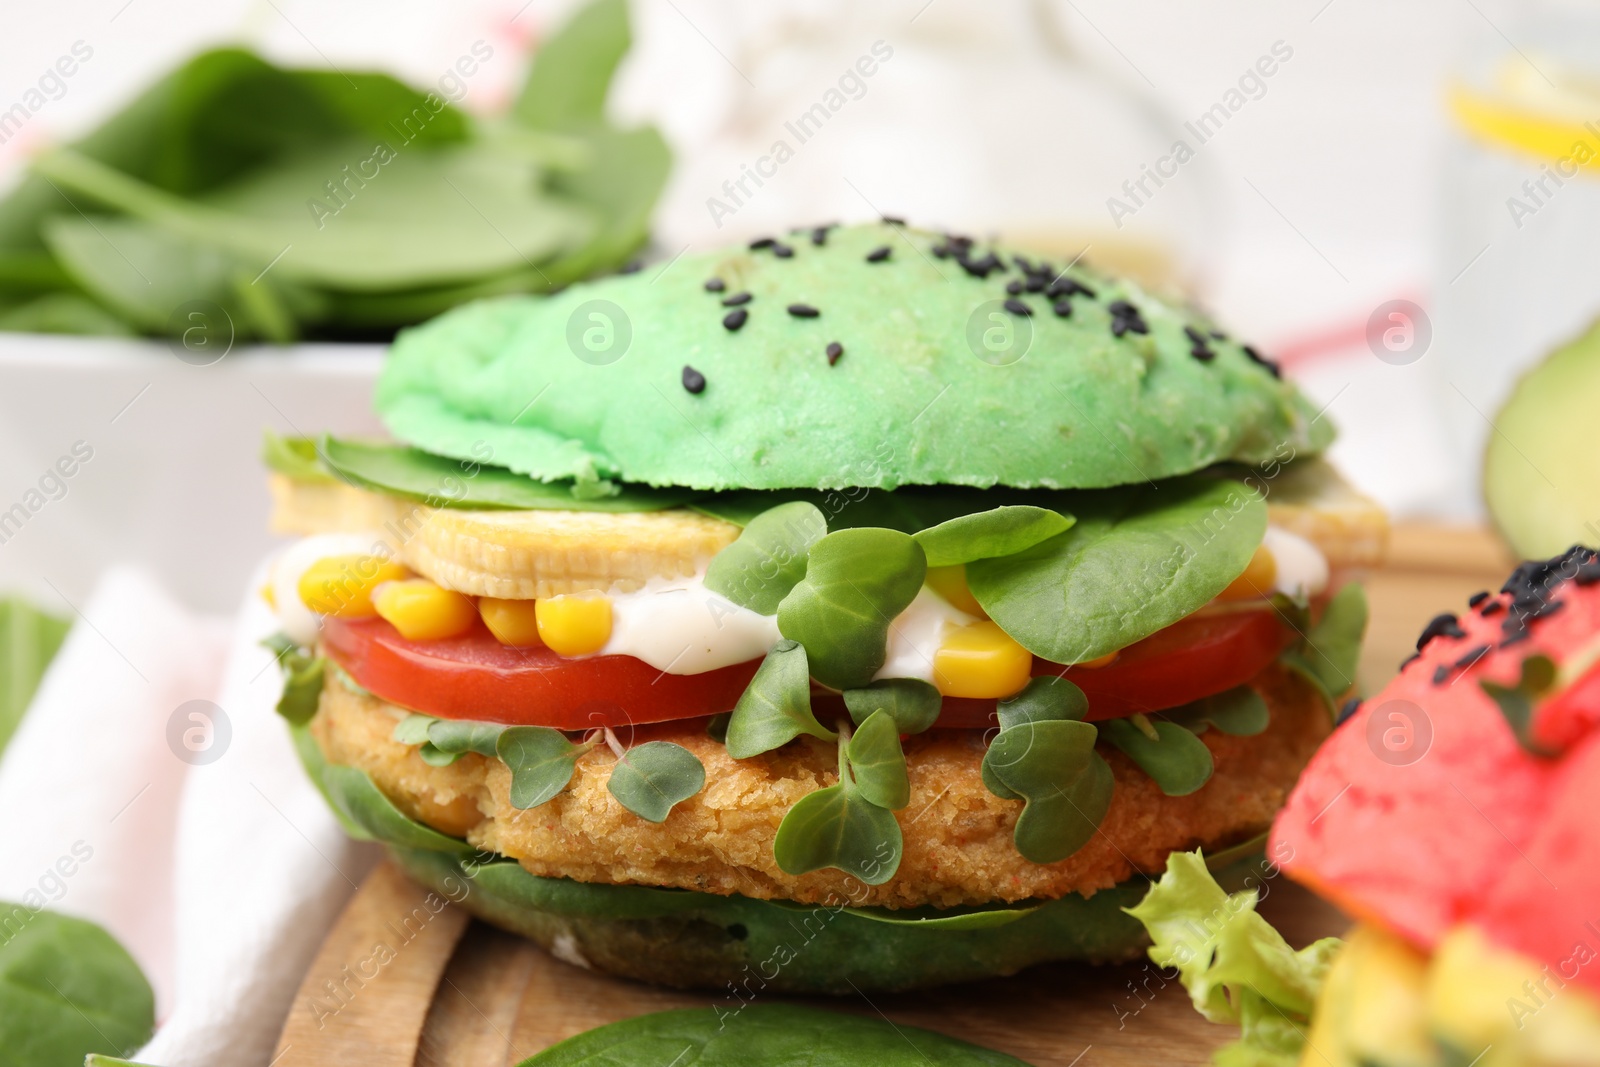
x=1192, y=658
x=476, y=677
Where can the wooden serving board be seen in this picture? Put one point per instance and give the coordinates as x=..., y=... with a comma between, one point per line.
x=455, y=992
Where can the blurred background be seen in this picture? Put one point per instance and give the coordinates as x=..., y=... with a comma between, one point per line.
x=1381, y=195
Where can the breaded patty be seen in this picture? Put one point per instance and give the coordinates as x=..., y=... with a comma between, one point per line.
x=958, y=846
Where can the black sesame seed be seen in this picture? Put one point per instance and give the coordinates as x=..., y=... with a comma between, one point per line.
x=693, y=380
x=782, y=251
x=803, y=311
x=735, y=318
x=1035, y=284
x=715, y=285
x=941, y=251
x=1219, y=335
x=1588, y=573
x=1441, y=675
x=834, y=350
x=1472, y=656
x=1063, y=308
x=1477, y=598
x=736, y=300
x=1014, y=287
x=980, y=268
x=878, y=255
x=633, y=266
x=1348, y=710
x=762, y=242
x=1017, y=307
x=1119, y=327
x=819, y=236
x=1522, y=635
x=1122, y=308
x=1440, y=626
x=1069, y=287
x=1194, y=335
x=1257, y=358
x=1202, y=353
x=1491, y=607
x=891, y=220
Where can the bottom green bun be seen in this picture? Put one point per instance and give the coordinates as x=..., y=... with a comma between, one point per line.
x=695, y=940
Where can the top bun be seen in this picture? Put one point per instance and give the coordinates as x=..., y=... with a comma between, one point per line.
x=1081, y=381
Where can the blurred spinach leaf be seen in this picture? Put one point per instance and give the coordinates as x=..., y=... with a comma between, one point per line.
x=29, y=640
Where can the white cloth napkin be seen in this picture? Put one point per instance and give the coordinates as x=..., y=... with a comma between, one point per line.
x=210, y=857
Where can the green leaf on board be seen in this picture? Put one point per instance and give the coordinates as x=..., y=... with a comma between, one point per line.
x=775, y=707
x=1052, y=765
x=768, y=558
x=541, y=760
x=67, y=989
x=1001, y=531
x=650, y=778
x=838, y=826
x=878, y=763
x=1177, y=760
x=29, y=640
x=912, y=703
x=1234, y=965
x=1136, y=560
x=856, y=582
x=764, y=1035
x=1237, y=712
x=438, y=481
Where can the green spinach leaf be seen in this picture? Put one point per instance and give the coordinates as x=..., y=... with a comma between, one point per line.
x=413, y=729
x=29, y=640
x=764, y=1035
x=651, y=778
x=1137, y=560
x=878, y=763
x=294, y=456
x=67, y=989
x=1051, y=765
x=1177, y=760
x=572, y=70
x=838, y=826
x=1237, y=712
x=302, y=686
x=912, y=703
x=769, y=557
x=413, y=474
x=856, y=582
x=1330, y=650
x=1001, y=531
x=354, y=795
x=775, y=707
x=541, y=760
x=1535, y=676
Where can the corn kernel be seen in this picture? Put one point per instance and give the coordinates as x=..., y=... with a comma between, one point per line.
x=423, y=611
x=1100, y=661
x=980, y=661
x=1257, y=579
x=513, y=622
x=574, y=625
x=951, y=584
x=343, y=585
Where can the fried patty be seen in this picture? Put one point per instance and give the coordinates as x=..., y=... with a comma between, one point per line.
x=958, y=846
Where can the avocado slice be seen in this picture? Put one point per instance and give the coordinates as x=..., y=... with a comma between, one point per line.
x=1541, y=471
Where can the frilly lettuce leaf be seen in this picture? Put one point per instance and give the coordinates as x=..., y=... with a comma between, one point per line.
x=1235, y=966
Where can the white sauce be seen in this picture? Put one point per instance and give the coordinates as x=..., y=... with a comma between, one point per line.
x=1302, y=569
x=680, y=627
x=916, y=634
x=298, y=621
